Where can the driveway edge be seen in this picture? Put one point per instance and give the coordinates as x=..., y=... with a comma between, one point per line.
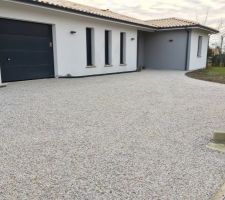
x=220, y=195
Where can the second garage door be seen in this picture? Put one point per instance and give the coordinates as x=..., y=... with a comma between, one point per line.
x=26, y=50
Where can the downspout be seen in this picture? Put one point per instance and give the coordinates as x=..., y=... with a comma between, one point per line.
x=138, y=45
x=187, y=50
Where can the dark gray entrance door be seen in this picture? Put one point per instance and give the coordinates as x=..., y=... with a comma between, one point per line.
x=26, y=50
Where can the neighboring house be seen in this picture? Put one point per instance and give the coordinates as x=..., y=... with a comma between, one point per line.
x=57, y=38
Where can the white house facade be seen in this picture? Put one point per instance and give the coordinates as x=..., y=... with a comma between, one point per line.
x=41, y=39
x=198, y=61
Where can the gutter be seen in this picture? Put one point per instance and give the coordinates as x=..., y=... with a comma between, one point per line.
x=212, y=31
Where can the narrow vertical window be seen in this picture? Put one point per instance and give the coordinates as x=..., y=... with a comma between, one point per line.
x=89, y=38
x=199, y=54
x=122, y=48
x=108, y=47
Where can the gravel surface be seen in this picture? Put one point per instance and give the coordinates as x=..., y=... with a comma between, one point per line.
x=127, y=136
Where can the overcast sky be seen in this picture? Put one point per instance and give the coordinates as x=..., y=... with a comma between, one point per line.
x=152, y=9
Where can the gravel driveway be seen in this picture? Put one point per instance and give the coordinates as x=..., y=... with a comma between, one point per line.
x=127, y=136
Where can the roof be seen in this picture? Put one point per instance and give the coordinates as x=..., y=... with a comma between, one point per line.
x=173, y=23
x=158, y=24
x=87, y=10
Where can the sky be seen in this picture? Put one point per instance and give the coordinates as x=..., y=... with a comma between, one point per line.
x=196, y=10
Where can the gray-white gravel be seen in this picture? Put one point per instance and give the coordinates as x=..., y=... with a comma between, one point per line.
x=127, y=136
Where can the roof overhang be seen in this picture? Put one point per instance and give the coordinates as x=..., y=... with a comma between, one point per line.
x=82, y=13
x=139, y=26
x=201, y=27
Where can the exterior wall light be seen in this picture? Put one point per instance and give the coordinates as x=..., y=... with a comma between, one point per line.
x=132, y=39
x=73, y=32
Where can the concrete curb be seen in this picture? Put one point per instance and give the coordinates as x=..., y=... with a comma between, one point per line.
x=216, y=147
x=220, y=195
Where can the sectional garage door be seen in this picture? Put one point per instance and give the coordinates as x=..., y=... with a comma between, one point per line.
x=25, y=50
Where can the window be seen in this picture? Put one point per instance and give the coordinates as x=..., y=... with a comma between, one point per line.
x=122, y=48
x=108, y=44
x=89, y=38
x=199, y=54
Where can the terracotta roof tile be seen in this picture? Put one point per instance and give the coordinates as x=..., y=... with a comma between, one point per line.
x=171, y=22
x=91, y=10
x=107, y=14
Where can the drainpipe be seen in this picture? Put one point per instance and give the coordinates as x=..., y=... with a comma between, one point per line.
x=187, y=50
x=138, y=45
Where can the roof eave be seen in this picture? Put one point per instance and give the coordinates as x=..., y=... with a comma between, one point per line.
x=208, y=29
x=51, y=6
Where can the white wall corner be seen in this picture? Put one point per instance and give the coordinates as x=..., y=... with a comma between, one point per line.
x=55, y=54
x=195, y=61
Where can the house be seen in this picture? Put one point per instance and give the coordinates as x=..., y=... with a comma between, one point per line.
x=58, y=38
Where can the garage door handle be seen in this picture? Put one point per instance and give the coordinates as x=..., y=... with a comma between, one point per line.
x=9, y=59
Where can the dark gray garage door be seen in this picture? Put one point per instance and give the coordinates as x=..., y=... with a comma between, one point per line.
x=25, y=50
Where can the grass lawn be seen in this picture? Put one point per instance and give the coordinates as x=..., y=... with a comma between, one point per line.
x=213, y=74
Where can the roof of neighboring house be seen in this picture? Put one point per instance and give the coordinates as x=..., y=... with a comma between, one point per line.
x=173, y=23
x=169, y=23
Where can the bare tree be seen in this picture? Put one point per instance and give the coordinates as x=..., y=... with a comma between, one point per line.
x=221, y=34
x=199, y=19
x=204, y=22
x=221, y=28
x=206, y=17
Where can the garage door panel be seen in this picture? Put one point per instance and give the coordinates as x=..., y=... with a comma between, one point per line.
x=28, y=47
x=24, y=43
x=27, y=58
x=27, y=72
x=14, y=27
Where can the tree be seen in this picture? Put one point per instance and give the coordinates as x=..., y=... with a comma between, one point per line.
x=221, y=28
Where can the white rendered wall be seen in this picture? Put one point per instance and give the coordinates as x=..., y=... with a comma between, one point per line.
x=196, y=62
x=70, y=50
